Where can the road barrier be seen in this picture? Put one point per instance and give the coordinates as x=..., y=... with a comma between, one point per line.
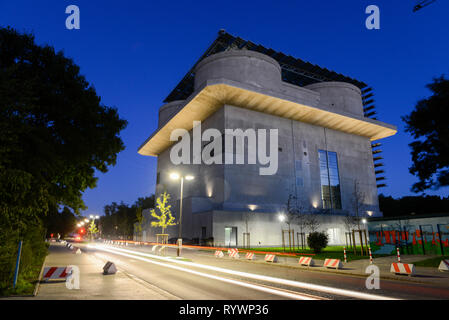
x=154, y=248
x=306, y=261
x=344, y=254
x=250, y=256
x=444, y=265
x=109, y=268
x=271, y=258
x=333, y=263
x=370, y=256
x=399, y=254
x=219, y=254
x=57, y=273
x=402, y=268
x=233, y=253
x=162, y=248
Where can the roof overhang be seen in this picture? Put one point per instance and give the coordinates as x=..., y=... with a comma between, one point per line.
x=216, y=93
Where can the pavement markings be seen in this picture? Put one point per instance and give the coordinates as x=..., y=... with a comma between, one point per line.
x=297, y=284
x=266, y=289
x=142, y=282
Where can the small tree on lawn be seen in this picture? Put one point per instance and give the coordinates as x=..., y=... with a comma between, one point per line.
x=165, y=218
x=93, y=230
x=317, y=241
x=312, y=222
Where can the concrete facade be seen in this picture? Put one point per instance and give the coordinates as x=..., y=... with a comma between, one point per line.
x=236, y=195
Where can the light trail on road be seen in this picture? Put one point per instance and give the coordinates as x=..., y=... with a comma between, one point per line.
x=297, y=284
x=279, y=292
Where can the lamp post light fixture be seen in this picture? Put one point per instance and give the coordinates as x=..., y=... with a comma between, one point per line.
x=281, y=217
x=176, y=176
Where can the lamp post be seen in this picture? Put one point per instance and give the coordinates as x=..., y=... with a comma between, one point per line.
x=176, y=176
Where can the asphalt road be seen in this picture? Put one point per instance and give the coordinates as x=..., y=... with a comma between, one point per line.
x=203, y=277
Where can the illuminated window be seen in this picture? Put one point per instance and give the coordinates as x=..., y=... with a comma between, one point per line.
x=330, y=181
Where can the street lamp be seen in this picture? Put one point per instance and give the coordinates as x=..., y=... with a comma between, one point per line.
x=281, y=217
x=176, y=176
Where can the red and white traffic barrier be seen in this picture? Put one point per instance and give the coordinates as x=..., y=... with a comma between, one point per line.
x=333, y=263
x=56, y=273
x=399, y=254
x=306, y=261
x=444, y=265
x=271, y=258
x=249, y=256
x=233, y=253
x=402, y=268
x=370, y=256
x=344, y=254
x=218, y=254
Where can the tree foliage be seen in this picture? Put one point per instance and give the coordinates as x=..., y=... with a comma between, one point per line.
x=412, y=205
x=61, y=222
x=54, y=131
x=165, y=218
x=317, y=241
x=429, y=125
x=93, y=230
x=119, y=219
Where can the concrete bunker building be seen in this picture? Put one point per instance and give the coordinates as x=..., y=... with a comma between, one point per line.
x=327, y=146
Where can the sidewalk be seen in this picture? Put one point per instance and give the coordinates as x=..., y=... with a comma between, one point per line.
x=93, y=284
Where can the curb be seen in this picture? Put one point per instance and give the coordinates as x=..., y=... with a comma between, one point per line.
x=36, y=288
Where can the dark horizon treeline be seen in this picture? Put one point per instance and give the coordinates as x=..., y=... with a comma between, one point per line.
x=119, y=218
x=413, y=205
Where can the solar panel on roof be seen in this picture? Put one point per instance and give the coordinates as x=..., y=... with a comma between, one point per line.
x=294, y=71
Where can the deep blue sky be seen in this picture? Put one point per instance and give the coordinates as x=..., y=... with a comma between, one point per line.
x=135, y=52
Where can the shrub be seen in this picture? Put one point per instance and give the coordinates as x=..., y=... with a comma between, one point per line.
x=317, y=241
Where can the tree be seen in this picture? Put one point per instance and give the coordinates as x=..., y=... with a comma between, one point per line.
x=93, y=230
x=317, y=241
x=54, y=131
x=59, y=222
x=120, y=218
x=54, y=135
x=359, y=206
x=312, y=222
x=428, y=124
x=412, y=205
x=165, y=218
x=140, y=220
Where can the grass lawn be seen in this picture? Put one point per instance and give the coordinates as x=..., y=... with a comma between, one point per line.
x=26, y=282
x=331, y=252
x=432, y=262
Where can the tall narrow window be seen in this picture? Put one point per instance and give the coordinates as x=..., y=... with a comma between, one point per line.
x=330, y=181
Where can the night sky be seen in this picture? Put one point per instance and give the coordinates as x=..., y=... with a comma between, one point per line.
x=135, y=52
